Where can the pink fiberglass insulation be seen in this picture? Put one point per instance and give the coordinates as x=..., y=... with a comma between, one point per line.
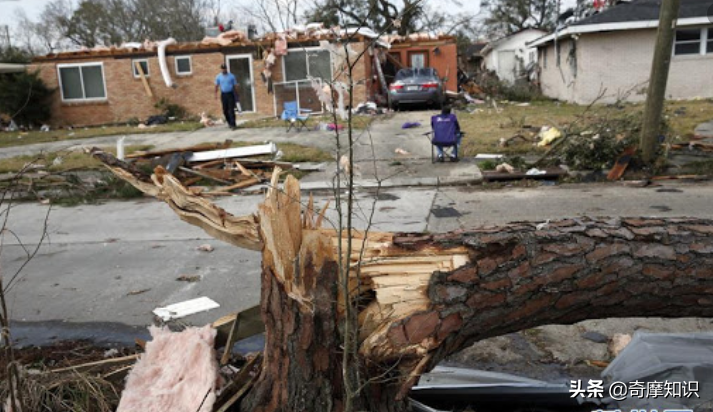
x=174, y=374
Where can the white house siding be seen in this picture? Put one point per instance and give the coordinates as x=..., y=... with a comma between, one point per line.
x=516, y=44
x=620, y=62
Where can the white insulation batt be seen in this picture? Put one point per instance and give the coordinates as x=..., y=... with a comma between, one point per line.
x=174, y=374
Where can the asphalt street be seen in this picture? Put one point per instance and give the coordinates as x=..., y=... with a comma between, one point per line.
x=117, y=261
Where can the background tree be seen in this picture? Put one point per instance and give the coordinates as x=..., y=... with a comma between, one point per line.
x=25, y=98
x=509, y=16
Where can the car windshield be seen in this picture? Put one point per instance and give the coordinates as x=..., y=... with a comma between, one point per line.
x=418, y=72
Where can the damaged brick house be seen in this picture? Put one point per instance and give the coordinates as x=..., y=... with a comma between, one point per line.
x=613, y=51
x=114, y=85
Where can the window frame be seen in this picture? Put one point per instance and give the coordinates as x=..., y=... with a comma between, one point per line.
x=306, y=50
x=190, y=63
x=703, y=41
x=81, y=74
x=136, y=75
x=426, y=57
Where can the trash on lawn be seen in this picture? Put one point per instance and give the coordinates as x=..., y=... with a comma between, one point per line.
x=409, y=125
x=45, y=128
x=206, y=121
x=504, y=168
x=156, y=120
x=535, y=172
x=548, y=135
x=488, y=156
x=183, y=309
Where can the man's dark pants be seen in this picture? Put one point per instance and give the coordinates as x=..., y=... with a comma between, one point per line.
x=228, y=100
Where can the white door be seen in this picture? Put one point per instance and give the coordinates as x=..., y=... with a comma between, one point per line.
x=241, y=65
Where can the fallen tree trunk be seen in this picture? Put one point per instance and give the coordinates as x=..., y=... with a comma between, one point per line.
x=423, y=297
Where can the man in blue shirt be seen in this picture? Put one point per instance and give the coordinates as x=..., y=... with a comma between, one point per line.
x=228, y=86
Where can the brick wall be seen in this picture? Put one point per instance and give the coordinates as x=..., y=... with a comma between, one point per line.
x=445, y=62
x=127, y=99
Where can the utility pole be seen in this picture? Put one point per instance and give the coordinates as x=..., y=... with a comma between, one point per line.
x=657, y=82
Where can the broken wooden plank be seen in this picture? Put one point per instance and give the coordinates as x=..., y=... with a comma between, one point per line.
x=245, y=183
x=185, y=308
x=97, y=364
x=228, y=350
x=203, y=147
x=265, y=149
x=250, y=325
x=142, y=75
x=622, y=162
x=239, y=386
x=203, y=175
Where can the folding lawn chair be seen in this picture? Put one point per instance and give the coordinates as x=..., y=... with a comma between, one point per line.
x=294, y=116
x=444, y=135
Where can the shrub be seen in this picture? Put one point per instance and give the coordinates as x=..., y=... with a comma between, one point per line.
x=25, y=98
x=171, y=109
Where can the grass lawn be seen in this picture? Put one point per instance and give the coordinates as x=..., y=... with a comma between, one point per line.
x=69, y=161
x=8, y=139
x=485, y=129
x=358, y=122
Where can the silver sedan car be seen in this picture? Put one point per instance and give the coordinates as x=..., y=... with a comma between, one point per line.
x=421, y=85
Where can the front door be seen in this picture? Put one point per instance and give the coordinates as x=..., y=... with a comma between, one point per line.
x=242, y=67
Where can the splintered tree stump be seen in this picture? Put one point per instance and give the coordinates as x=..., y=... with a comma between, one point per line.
x=423, y=297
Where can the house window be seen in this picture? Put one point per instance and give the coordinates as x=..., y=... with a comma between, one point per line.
x=544, y=57
x=305, y=63
x=183, y=65
x=693, y=41
x=418, y=60
x=82, y=82
x=144, y=66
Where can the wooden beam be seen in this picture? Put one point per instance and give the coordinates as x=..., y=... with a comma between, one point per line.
x=142, y=75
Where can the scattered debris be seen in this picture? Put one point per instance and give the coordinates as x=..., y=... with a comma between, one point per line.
x=208, y=164
x=548, y=135
x=206, y=247
x=111, y=353
x=597, y=363
x=189, y=278
x=178, y=372
x=595, y=337
x=618, y=342
x=183, y=309
x=504, y=168
x=621, y=163
x=401, y=151
x=409, y=125
x=488, y=156
x=266, y=149
x=138, y=292
x=535, y=172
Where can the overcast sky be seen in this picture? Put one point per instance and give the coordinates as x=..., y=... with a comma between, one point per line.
x=33, y=8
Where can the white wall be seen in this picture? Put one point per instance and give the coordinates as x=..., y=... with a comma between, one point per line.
x=620, y=63
x=516, y=43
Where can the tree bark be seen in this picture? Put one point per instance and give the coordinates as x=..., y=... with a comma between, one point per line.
x=423, y=297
